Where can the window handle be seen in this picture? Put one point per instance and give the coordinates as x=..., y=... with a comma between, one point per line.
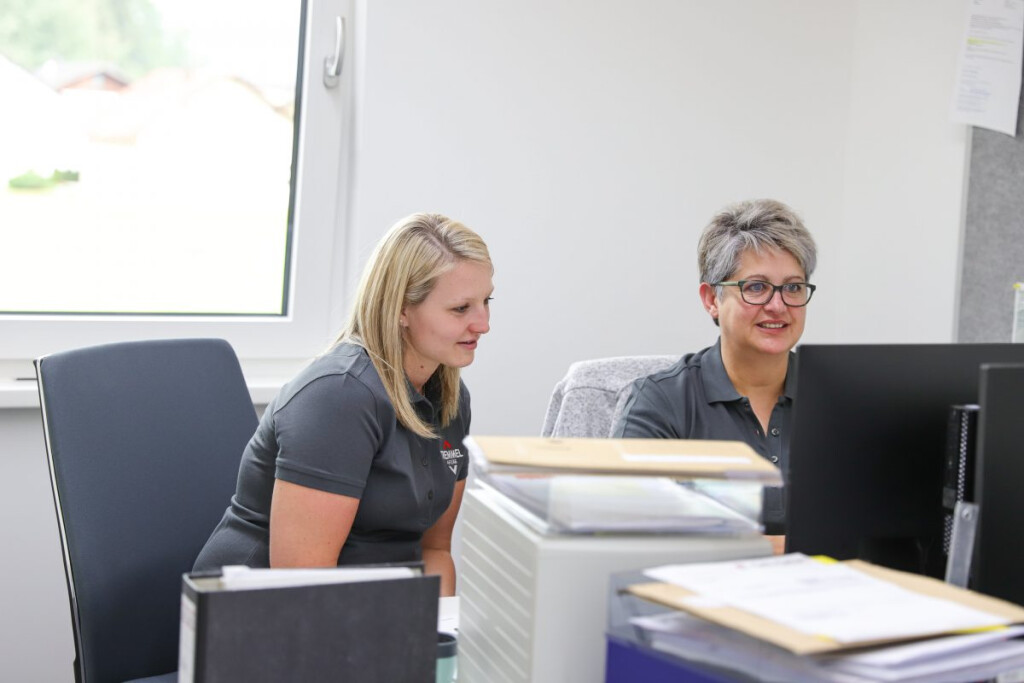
x=332, y=64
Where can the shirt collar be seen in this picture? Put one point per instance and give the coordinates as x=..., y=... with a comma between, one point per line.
x=431, y=390
x=718, y=387
x=789, y=391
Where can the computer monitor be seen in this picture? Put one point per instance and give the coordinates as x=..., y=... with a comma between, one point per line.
x=999, y=481
x=867, y=451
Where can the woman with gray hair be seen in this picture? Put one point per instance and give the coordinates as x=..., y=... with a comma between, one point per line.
x=755, y=260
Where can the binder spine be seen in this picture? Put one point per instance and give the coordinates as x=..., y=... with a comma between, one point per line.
x=191, y=647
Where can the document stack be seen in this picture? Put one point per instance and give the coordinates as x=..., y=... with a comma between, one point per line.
x=795, y=618
x=585, y=486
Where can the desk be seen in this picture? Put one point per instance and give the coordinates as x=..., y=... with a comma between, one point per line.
x=629, y=661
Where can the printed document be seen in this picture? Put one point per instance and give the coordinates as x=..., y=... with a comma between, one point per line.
x=825, y=599
x=240, y=577
x=989, y=71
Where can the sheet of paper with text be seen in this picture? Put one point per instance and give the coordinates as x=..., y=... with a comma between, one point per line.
x=989, y=71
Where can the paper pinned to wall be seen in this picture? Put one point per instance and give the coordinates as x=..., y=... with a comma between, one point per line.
x=989, y=71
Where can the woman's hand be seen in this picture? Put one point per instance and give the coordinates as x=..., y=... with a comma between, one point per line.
x=308, y=527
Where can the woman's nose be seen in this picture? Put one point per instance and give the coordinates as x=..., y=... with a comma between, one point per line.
x=776, y=303
x=481, y=324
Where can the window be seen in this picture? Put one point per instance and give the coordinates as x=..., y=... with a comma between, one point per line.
x=155, y=176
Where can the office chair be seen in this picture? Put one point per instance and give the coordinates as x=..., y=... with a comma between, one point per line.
x=143, y=441
x=588, y=400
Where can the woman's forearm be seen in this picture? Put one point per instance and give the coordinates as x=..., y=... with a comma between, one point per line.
x=439, y=562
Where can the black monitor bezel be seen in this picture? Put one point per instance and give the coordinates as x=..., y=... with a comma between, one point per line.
x=865, y=467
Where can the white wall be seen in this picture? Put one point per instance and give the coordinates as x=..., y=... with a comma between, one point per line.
x=589, y=141
x=36, y=643
x=896, y=265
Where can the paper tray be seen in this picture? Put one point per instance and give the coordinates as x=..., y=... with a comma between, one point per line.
x=582, y=504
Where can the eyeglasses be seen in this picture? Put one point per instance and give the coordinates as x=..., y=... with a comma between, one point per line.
x=759, y=292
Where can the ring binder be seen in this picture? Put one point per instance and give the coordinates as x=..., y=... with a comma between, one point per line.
x=371, y=631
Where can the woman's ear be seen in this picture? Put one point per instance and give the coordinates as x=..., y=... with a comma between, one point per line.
x=709, y=297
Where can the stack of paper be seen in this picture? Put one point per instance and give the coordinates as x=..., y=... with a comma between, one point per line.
x=950, y=659
x=798, y=618
x=587, y=504
x=241, y=577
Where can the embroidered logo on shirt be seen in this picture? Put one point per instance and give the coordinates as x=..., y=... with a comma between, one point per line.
x=451, y=456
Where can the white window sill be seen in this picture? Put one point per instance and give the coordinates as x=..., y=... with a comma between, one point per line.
x=267, y=377
x=18, y=394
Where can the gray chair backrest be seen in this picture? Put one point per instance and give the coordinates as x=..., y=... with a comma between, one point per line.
x=143, y=440
x=587, y=401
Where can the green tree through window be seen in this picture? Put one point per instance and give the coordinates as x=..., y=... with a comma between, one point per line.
x=125, y=33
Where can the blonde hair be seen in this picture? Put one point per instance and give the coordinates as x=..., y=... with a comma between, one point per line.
x=402, y=271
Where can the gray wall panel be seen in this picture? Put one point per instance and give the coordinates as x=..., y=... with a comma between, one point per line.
x=993, y=250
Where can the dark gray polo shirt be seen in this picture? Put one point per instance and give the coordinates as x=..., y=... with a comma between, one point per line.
x=333, y=428
x=695, y=399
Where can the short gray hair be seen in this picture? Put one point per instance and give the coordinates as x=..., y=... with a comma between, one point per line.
x=756, y=224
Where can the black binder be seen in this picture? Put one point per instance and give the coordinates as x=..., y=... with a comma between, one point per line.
x=379, y=631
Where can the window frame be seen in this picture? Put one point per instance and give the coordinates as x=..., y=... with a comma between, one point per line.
x=317, y=244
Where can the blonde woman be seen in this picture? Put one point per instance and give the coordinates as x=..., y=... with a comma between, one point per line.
x=360, y=459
